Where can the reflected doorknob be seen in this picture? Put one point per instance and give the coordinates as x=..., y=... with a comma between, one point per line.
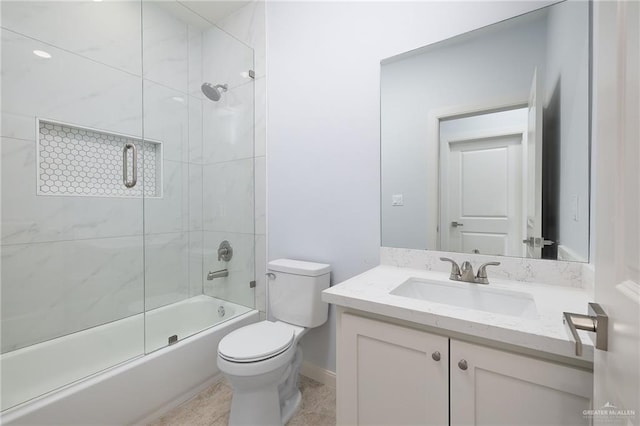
x=538, y=242
x=455, y=224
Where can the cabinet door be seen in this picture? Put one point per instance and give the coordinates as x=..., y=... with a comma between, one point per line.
x=501, y=388
x=387, y=374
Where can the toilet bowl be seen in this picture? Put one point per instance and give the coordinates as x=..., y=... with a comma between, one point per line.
x=262, y=361
x=258, y=362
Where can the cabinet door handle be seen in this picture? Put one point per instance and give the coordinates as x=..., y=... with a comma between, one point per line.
x=436, y=356
x=462, y=364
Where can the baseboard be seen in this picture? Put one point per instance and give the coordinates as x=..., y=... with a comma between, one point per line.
x=184, y=398
x=319, y=374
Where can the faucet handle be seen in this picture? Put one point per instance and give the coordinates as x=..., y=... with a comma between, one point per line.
x=455, y=269
x=482, y=272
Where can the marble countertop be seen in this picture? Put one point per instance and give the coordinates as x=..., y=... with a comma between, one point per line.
x=369, y=292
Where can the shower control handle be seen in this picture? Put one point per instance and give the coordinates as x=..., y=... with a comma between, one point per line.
x=225, y=252
x=125, y=165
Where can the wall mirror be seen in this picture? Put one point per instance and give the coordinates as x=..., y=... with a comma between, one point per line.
x=486, y=139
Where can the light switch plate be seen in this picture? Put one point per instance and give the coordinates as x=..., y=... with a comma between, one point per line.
x=397, y=200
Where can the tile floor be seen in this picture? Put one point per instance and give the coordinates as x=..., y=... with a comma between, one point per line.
x=211, y=407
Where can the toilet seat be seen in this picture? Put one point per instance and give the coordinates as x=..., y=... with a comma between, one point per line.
x=256, y=342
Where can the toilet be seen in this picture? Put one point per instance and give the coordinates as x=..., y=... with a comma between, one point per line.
x=262, y=360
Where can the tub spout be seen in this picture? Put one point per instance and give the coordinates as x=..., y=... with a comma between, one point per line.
x=217, y=274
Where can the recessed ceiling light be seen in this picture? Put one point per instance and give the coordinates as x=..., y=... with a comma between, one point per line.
x=42, y=54
x=178, y=99
x=97, y=1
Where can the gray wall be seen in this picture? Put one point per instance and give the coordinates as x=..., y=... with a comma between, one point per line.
x=323, y=121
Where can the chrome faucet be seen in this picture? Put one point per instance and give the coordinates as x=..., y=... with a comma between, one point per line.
x=465, y=271
x=217, y=274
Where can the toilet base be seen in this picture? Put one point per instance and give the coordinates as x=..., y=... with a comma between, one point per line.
x=260, y=407
x=290, y=406
x=271, y=399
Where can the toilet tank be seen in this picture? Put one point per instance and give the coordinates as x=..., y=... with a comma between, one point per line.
x=294, y=292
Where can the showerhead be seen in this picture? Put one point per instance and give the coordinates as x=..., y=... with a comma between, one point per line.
x=213, y=92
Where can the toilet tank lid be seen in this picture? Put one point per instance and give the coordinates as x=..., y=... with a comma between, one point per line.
x=299, y=267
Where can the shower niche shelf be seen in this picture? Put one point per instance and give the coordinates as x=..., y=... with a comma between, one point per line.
x=83, y=162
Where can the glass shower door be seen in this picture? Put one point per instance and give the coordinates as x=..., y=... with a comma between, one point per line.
x=228, y=168
x=198, y=106
x=72, y=219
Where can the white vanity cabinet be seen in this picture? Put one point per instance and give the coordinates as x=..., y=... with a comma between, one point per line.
x=391, y=374
x=494, y=387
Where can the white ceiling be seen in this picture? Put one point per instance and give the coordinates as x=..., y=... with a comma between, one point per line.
x=213, y=10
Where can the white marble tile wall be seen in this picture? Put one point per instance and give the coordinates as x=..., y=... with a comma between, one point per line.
x=172, y=64
x=196, y=263
x=166, y=268
x=165, y=52
x=51, y=21
x=89, y=252
x=169, y=213
x=195, y=129
x=228, y=196
x=553, y=272
x=261, y=117
x=225, y=60
x=248, y=26
x=51, y=289
x=98, y=81
x=27, y=218
x=228, y=125
x=195, y=61
x=196, y=182
x=66, y=87
x=166, y=119
x=234, y=288
x=228, y=193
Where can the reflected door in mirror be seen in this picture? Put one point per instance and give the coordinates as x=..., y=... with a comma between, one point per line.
x=484, y=212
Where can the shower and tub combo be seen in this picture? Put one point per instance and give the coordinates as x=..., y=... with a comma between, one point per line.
x=128, y=234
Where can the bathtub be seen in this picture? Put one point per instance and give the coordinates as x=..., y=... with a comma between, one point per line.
x=58, y=377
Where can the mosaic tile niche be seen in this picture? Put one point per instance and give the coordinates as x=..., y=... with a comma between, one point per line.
x=75, y=161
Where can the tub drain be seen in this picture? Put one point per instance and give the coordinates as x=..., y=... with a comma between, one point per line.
x=221, y=311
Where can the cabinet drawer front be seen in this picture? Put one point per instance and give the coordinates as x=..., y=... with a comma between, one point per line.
x=492, y=387
x=390, y=375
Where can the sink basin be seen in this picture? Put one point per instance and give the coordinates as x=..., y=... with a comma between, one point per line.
x=471, y=296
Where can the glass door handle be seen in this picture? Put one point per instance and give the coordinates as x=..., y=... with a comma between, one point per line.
x=125, y=163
